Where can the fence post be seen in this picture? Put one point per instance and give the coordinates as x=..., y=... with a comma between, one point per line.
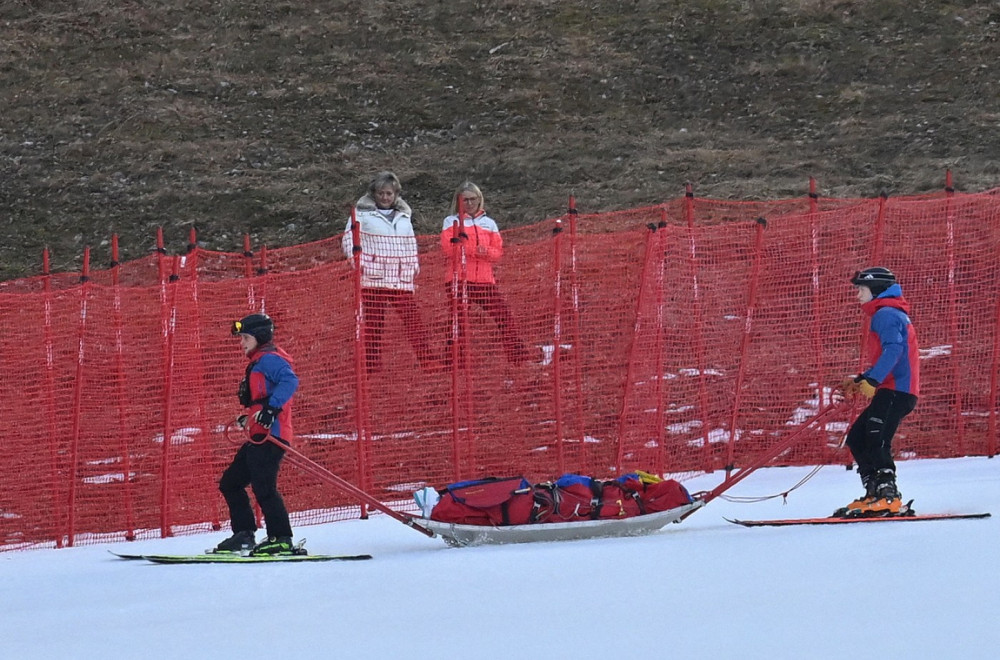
x=261, y=271
x=574, y=283
x=460, y=345
x=661, y=251
x=557, y=341
x=248, y=273
x=994, y=383
x=636, y=327
x=758, y=254
x=953, y=332
x=360, y=362
x=120, y=391
x=50, y=389
x=877, y=240
x=699, y=326
x=78, y=396
x=817, y=299
x=168, y=317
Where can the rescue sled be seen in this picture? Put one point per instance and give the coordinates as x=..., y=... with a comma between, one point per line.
x=457, y=535
x=512, y=510
x=497, y=510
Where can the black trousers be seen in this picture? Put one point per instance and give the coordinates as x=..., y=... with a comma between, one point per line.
x=870, y=436
x=255, y=465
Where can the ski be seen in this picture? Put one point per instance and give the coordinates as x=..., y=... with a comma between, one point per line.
x=251, y=559
x=831, y=520
x=124, y=556
x=238, y=559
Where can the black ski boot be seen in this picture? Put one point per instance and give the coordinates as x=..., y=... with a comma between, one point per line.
x=888, y=501
x=238, y=543
x=281, y=545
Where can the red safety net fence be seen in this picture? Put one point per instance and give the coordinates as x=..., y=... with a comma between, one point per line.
x=677, y=339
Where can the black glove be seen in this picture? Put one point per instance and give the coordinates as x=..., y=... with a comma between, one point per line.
x=266, y=415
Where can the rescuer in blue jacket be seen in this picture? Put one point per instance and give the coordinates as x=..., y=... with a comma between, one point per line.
x=266, y=392
x=892, y=384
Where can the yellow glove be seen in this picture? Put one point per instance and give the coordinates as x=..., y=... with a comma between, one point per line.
x=867, y=387
x=862, y=385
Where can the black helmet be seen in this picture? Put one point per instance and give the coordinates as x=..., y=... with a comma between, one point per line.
x=258, y=326
x=877, y=279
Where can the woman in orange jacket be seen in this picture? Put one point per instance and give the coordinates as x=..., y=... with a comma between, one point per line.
x=472, y=245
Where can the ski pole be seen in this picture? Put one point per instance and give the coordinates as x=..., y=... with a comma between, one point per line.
x=314, y=469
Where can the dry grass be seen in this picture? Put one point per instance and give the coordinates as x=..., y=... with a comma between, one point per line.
x=260, y=116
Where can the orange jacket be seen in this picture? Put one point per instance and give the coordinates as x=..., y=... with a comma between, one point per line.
x=482, y=246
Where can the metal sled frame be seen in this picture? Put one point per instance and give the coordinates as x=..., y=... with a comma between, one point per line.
x=456, y=535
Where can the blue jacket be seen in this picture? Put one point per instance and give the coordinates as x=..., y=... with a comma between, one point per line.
x=892, y=344
x=272, y=381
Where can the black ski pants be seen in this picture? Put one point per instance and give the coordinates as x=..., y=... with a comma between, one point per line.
x=255, y=465
x=870, y=436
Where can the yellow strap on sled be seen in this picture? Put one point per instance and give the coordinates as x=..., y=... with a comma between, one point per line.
x=647, y=478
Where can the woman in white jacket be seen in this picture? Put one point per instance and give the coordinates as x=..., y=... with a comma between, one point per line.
x=389, y=266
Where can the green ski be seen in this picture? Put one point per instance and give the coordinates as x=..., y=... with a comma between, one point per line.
x=239, y=559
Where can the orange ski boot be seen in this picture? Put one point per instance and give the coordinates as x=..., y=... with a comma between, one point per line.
x=862, y=502
x=887, y=501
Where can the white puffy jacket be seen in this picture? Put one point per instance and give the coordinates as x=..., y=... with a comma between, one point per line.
x=388, y=246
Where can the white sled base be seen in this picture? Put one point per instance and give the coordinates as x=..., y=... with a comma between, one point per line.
x=457, y=535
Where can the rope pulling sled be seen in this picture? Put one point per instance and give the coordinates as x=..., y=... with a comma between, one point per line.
x=455, y=534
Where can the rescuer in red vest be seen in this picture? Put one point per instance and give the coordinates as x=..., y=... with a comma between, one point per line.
x=892, y=384
x=266, y=392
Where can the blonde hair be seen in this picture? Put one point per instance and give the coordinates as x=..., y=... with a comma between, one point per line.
x=468, y=186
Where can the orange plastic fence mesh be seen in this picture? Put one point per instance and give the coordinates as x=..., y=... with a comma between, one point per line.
x=676, y=339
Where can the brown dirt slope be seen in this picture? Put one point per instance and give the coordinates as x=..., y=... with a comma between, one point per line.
x=269, y=117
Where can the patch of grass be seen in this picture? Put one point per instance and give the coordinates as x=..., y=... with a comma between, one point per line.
x=270, y=117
